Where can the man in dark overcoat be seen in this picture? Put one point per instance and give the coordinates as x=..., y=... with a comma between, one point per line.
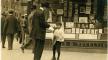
x=38, y=32
x=11, y=27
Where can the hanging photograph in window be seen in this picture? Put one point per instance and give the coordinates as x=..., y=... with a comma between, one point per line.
x=96, y=31
x=81, y=31
x=82, y=9
x=85, y=31
x=91, y=25
x=92, y=31
x=100, y=31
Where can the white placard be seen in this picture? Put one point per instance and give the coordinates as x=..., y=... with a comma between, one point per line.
x=83, y=20
x=49, y=35
x=87, y=36
x=71, y=36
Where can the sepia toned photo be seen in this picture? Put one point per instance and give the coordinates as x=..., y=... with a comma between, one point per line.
x=53, y=30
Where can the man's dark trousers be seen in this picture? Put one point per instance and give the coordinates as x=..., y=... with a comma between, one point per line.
x=3, y=37
x=38, y=49
x=10, y=38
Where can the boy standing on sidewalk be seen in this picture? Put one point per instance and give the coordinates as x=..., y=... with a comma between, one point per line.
x=58, y=38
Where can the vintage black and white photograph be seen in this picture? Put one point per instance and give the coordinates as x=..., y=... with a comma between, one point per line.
x=53, y=30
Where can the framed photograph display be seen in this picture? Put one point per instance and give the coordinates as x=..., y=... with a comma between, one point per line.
x=77, y=30
x=100, y=31
x=77, y=25
x=96, y=31
x=82, y=9
x=88, y=31
x=83, y=25
x=68, y=31
x=91, y=26
x=83, y=19
x=69, y=24
x=81, y=31
x=92, y=31
x=86, y=25
x=85, y=31
x=73, y=30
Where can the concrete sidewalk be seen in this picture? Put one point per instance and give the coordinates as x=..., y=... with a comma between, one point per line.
x=16, y=54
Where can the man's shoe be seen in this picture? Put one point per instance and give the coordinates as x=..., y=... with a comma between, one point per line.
x=58, y=59
x=53, y=58
x=9, y=49
x=22, y=49
x=3, y=46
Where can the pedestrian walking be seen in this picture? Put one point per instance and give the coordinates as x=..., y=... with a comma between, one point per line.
x=3, y=34
x=58, y=38
x=30, y=41
x=11, y=28
x=38, y=31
